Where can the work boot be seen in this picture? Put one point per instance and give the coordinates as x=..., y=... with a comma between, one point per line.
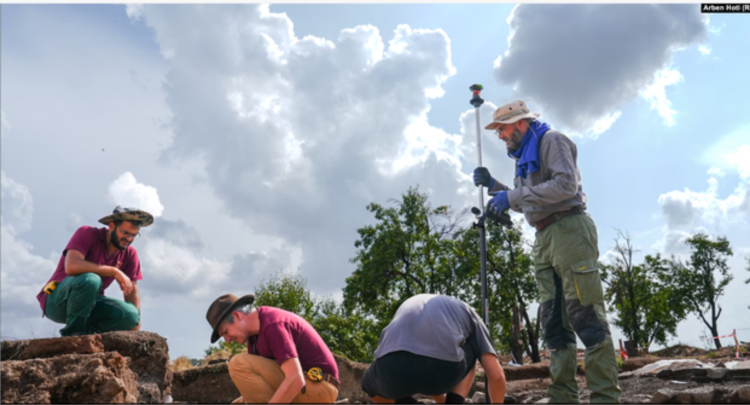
x=602, y=373
x=562, y=370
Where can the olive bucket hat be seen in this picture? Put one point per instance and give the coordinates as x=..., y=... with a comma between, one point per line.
x=222, y=307
x=128, y=214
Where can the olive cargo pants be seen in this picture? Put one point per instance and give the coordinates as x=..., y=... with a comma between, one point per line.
x=572, y=303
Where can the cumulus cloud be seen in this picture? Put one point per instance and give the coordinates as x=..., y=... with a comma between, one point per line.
x=181, y=267
x=673, y=243
x=582, y=63
x=683, y=209
x=126, y=191
x=134, y=11
x=23, y=272
x=299, y=135
x=17, y=203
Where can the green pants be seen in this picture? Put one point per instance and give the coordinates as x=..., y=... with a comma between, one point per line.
x=566, y=265
x=76, y=302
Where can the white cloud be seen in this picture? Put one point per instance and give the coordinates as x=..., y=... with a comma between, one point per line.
x=179, y=270
x=23, y=272
x=126, y=191
x=580, y=76
x=299, y=135
x=17, y=205
x=134, y=11
x=705, y=50
x=683, y=209
x=656, y=94
x=603, y=124
x=716, y=172
x=673, y=243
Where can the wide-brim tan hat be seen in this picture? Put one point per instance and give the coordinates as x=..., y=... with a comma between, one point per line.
x=510, y=113
x=223, y=306
x=128, y=214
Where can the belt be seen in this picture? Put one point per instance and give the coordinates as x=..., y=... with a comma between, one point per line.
x=315, y=374
x=331, y=379
x=558, y=216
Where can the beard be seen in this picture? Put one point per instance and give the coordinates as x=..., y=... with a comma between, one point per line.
x=515, y=141
x=117, y=243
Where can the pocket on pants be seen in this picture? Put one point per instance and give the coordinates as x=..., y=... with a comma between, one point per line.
x=587, y=281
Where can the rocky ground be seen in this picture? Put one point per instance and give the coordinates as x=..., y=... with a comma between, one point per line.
x=134, y=367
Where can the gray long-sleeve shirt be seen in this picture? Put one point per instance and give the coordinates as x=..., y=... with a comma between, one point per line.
x=555, y=187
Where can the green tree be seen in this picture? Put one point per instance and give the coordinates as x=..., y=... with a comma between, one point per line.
x=511, y=285
x=704, y=277
x=348, y=333
x=232, y=348
x=407, y=252
x=647, y=305
x=288, y=291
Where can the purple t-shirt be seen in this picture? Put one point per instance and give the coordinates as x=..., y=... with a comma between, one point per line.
x=92, y=243
x=284, y=335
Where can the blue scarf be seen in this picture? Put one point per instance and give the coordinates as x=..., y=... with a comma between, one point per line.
x=528, y=153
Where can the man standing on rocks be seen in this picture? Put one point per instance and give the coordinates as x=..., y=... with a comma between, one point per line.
x=549, y=192
x=287, y=360
x=431, y=347
x=92, y=260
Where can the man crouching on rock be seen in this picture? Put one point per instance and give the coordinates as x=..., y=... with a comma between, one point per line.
x=287, y=360
x=431, y=347
x=92, y=260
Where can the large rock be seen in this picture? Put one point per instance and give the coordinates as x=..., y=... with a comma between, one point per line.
x=148, y=353
x=45, y=348
x=149, y=359
x=100, y=378
x=350, y=374
x=637, y=362
x=210, y=384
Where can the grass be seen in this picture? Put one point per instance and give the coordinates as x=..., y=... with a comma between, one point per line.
x=181, y=363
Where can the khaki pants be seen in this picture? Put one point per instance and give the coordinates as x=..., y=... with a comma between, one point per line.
x=257, y=378
x=566, y=264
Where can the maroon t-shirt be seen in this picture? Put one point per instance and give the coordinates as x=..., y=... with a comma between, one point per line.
x=284, y=335
x=92, y=243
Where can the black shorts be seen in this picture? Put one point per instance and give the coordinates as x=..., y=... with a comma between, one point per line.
x=402, y=374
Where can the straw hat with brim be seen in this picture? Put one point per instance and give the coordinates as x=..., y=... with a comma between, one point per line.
x=510, y=113
x=128, y=214
x=222, y=307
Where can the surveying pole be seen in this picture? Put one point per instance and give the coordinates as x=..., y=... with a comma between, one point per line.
x=477, y=102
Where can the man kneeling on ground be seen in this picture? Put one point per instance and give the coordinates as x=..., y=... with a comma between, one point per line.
x=287, y=360
x=431, y=347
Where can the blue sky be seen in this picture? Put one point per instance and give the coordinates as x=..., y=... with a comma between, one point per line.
x=259, y=147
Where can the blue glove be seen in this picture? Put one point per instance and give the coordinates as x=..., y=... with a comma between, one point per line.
x=499, y=203
x=482, y=177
